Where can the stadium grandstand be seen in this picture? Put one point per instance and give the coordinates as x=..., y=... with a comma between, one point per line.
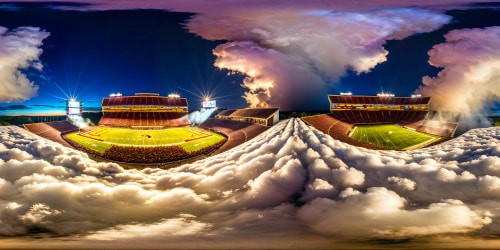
x=382, y=122
x=263, y=116
x=151, y=129
x=384, y=108
x=148, y=110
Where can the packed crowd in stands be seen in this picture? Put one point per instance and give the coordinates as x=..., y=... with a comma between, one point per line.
x=154, y=154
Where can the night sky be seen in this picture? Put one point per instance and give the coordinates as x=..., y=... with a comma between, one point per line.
x=292, y=186
x=95, y=53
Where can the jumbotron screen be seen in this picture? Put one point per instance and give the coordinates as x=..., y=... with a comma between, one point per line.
x=209, y=104
x=74, y=108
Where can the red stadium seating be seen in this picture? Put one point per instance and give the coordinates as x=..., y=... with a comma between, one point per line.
x=379, y=100
x=145, y=100
x=52, y=130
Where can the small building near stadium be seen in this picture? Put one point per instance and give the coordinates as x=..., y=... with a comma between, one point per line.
x=263, y=116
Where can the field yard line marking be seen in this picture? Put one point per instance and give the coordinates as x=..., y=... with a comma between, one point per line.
x=372, y=137
x=378, y=135
x=390, y=141
x=351, y=132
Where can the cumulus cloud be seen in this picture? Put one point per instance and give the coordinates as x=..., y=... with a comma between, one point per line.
x=292, y=180
x=297, y=48
x=469, y=83
x=19, y=50
x=294, y=52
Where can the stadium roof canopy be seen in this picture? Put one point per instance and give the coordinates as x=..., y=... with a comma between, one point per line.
x=144, y=101
x=250, y=112
x=378, y=100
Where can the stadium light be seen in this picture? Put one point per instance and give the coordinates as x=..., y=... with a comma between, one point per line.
x=346, y=93
x=417, y=95
x=385, y=95
x=115, y=94
x=174, y=95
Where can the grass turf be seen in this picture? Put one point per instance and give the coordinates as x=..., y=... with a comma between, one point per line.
x=191, y=139
x=391, y=136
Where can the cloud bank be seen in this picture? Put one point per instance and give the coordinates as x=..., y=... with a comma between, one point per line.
x=469, y=83
x=291, y=181
x=19, y=50
x=291, y=51
x=296, y=53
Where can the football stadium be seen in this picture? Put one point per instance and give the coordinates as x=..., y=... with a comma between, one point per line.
x=147, y=128
x=382, y=122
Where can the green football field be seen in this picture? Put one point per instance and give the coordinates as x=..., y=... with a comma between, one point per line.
x=190, y=139
x=392, y=136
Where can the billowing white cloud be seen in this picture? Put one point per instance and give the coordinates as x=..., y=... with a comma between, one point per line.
x=469, y=83
x=19, y=50
x=291, y=51
x=291, y=181
x=288, y=55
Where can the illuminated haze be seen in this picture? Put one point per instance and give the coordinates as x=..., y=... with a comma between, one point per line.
x=469, y=83
x=294, y=53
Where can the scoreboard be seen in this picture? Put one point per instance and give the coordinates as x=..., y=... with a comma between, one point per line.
x=73, y=107
x=209, y=104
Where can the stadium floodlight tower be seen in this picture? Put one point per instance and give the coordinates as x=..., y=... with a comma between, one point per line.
x=208, y=103
x=73, y=108
x=383, y=94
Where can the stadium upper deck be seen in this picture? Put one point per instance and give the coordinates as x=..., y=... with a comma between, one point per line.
x=144, y=102
x=375, y=103
x=144, y=110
